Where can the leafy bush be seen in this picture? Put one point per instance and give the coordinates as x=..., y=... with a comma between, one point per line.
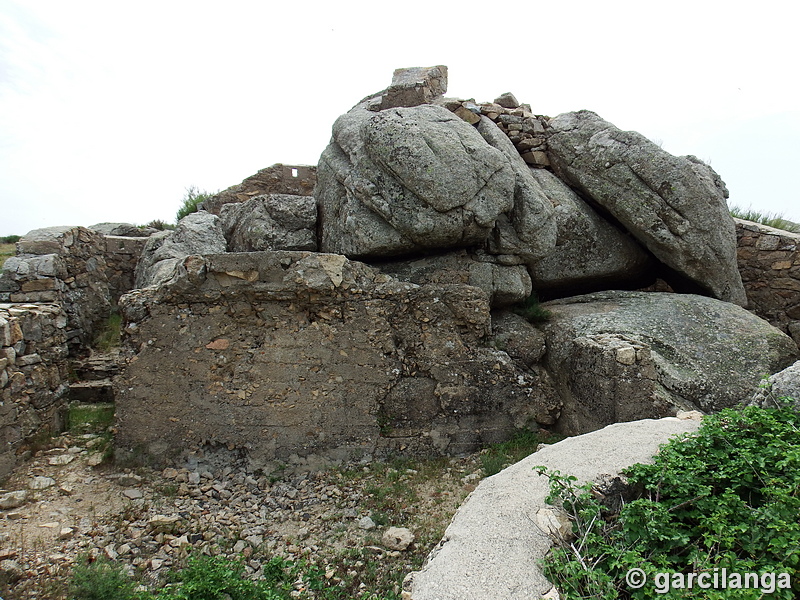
x=770, y=219
x=724, y=497
x=10, y=239
x=191, y=199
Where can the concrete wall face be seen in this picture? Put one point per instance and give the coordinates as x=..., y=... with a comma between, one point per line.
x=33, y=375
x=769, y=261
x=291, y=353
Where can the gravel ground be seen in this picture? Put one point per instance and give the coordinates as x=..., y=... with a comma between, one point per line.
x=151, y=521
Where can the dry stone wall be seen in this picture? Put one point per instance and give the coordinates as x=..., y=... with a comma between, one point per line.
x=769, y=261
x=121, y=255
x=33, y=372
x=295, y=180
x=54, y=294
x=295, y=355
x=64, y=265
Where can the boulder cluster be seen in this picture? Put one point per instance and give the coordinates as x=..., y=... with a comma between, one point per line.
x=431, y=223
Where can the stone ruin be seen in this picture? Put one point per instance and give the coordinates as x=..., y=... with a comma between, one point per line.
x=374, y=305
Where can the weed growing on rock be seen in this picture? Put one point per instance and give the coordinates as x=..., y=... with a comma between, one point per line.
x=193, y=197
x=531, y=310
x=722, y=500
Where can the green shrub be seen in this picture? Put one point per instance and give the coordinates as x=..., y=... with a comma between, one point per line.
x=191, y=199
x=775, y=220
x=100, y=580
x=724, y=497
x=10, y=239
x=531, y=310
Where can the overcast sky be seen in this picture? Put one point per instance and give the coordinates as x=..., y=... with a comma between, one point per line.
x=110, y=110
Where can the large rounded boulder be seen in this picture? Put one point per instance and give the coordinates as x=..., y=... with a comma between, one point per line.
x=622, y=356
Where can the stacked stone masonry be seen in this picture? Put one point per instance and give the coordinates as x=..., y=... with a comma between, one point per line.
x=33, y=375
x=67, y=266
x=121, y=255
x=295, y=180
x=769, y=261
x=517, y=121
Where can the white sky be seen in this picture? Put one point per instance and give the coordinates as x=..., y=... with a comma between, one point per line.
x=110, y=109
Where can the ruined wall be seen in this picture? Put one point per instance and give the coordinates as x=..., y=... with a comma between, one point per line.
x=33, y=372
x=82, y=270
x=295, y=353
x=769, y=261
x=121, y=255
x=296, y=180
x=64, y=265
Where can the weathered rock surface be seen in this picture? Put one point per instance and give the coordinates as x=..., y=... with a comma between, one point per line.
x=291, y=353
x=413, y=86
x=505, y=284
x=271, y=222
x=198, y=233
x=408, y=179
x=784, y=384
x=590, y=253
x=675, y=206
x=123, y=229
x=619, y=356
x=528, y=230
x=295, y=180
x=517, y=337
x=493, y=548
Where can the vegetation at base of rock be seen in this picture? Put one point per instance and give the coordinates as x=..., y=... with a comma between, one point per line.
x=109, y=335
x=724, y=497
x=775, y=220
x=497, y=457
x=531, y=310
x=191, y=199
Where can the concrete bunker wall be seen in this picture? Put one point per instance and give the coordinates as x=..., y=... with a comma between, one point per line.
x=296, y=355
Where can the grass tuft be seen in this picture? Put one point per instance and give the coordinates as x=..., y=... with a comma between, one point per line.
x=769, y=219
